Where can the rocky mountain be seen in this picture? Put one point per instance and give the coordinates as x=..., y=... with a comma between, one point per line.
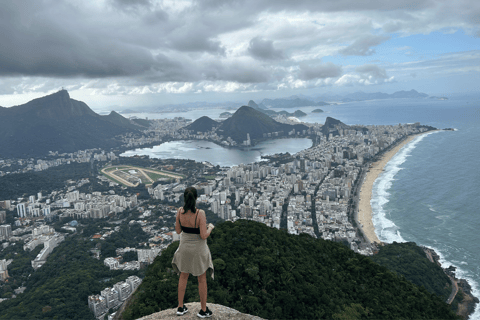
x=121, y=121
x=57, y=123
x=253, y=105
x=255, y=123
x=332, y=126
x=203, y=124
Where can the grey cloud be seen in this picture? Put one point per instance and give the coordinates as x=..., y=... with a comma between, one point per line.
x=315, y=5
x=372, y=70
x=154, y=17
x=263, y=49
x=362, y=46
x=131, y=3
x=238, y=71
x=52, y=45
x=322, y=71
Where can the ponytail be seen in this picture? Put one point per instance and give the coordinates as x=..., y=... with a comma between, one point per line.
x=189, y=196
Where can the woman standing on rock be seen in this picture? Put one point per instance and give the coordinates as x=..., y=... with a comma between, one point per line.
x=193, y=255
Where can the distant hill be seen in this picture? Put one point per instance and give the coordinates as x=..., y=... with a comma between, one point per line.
x=360, y=96
x=269, y=273
x=332, y=126
x=255, y=123
x=119, y=120
x=317, y=111
x=203, y=124
x=290, y=103
x=253, y=105
x=57, y=123
x=225, y=114
x=143, y=122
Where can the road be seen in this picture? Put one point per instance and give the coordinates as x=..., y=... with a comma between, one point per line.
x=452, y=279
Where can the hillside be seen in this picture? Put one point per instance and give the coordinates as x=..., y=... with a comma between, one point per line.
x=203, y=124
x=332, y=126
x=121, y=121
x=56, y=123
x=409, y=260
x=266, y=272
x=255, y=123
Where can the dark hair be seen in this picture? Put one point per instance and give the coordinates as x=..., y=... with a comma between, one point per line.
x=189, y=196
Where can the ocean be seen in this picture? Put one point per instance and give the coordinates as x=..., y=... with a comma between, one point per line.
x=429, y=191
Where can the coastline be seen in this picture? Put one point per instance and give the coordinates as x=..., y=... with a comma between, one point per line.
x=364, y=215
x=466, y=306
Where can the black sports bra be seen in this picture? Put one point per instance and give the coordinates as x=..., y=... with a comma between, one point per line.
x=188, y=229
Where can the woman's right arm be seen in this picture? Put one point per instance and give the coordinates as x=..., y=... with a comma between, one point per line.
x=204, y=231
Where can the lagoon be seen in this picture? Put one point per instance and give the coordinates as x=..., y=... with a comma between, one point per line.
x=201, y=150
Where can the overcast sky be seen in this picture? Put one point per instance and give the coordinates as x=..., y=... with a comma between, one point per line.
x=134, y=53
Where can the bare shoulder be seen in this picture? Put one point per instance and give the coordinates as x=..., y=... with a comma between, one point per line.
x=201, y=213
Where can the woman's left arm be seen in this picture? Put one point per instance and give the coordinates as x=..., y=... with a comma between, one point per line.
x=178, y=229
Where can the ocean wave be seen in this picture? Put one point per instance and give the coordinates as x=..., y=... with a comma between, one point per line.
x=385, y=229
x=461, y=274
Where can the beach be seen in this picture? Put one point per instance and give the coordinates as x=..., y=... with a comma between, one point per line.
x=364, y=208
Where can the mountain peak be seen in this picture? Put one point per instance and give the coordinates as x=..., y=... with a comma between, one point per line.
x=202, y=124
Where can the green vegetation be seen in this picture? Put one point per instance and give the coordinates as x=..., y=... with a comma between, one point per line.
x=156, y=176
x=410, y=261
x=26, y=184
x=59, y=289
x=266, y=272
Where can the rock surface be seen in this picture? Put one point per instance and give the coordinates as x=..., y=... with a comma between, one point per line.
x=219, y=312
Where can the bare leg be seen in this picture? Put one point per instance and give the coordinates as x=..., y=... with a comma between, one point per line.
x=182, y=284
x=202, y=290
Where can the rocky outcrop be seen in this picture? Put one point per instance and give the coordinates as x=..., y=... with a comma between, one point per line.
x=467, y=306
x=219, y=312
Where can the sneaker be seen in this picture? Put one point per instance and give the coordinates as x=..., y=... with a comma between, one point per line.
x=182, y=311
x=206, y=314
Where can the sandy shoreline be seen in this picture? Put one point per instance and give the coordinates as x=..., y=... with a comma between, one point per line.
x=364, y=208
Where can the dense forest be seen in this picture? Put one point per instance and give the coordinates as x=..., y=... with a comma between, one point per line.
x=266, y=272
x=26, y=184
x=59, y=289
x=409, y=260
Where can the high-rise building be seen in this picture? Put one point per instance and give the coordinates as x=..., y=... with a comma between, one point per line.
x=111, y=296
x=3, y=216
x=98, y=304
x=21, y=212
x=134, y=282
x=124, y=290
x=3, y=270
x=5, y=231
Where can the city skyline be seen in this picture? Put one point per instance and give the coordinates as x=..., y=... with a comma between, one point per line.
x=147, y=53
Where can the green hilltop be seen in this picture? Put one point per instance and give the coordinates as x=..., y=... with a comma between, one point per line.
x=266, y=272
